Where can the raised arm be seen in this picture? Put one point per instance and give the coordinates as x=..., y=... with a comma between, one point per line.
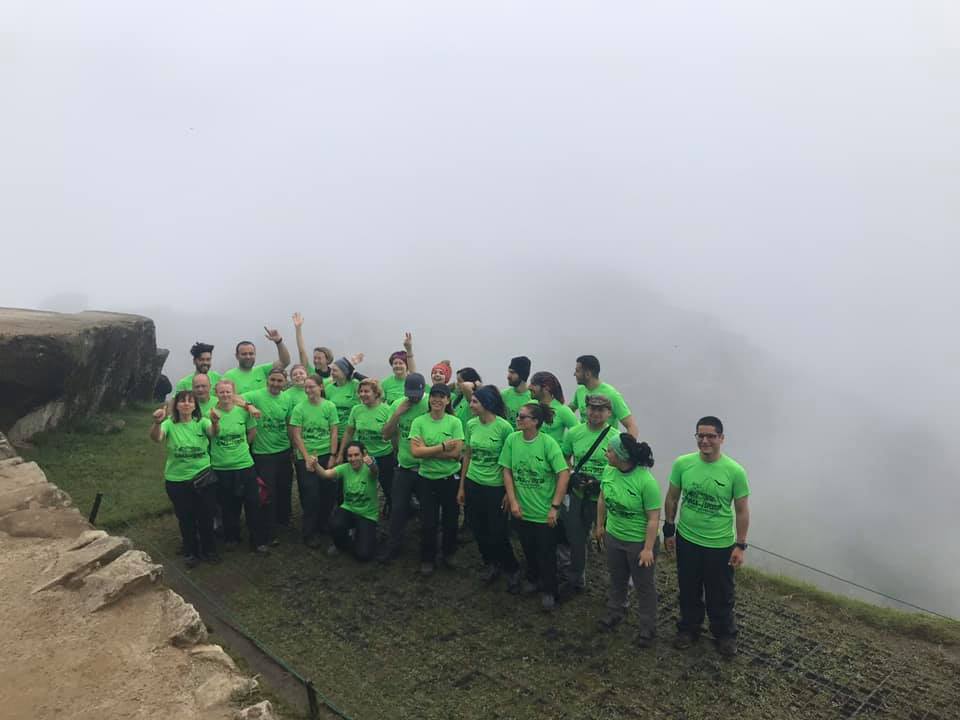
x=159, y=415
x=408, y=346
x=283, y=355
x=301, y=345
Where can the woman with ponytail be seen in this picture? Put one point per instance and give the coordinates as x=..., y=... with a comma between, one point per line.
x=628, y=520
x=481, y=482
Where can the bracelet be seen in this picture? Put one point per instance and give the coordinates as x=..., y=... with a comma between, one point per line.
x=669, y=530
x=742, y=546
x=278, y=341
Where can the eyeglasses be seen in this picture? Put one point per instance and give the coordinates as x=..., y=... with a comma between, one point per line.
x=706, y=436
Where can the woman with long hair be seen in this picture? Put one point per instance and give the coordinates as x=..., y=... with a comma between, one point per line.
x=467, y=381
x=360, y=508
x=436, y=439
x=535, y=477
x=314, y=433
x=481, y=482
x=628, y=521
x=546, y=390
x=187, y=477
x=402, y=364
x=365, y=425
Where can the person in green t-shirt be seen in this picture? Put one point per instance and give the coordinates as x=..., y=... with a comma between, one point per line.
x=360, y=508
x=706, y=484
x=580, y=507
x=322, y=356
x=298, y=378
x=545, y=389
x=248, y=375
x=365, y=424
x=468, y=380
x=402, y=363
x=397, y=430
x=628, y=522
x=436, y=440
x=535, y=477
x=186, y=435
x=481, y=482
x=587, y=373
x=315, y=435
x=202, y=392
x=341, y=389
x=202, y=354
x=518, y=394
x=238, y=491
x=271, y=447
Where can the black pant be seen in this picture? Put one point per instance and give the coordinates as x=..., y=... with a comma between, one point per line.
x=277, y=474
x=364, y=536
x=194, y=510
x=703, y=571
x=490, y=524
x=238, y=492
x=318, y=497
x=539, y=542
x=438, y=497
x=404, y=484
x=386, y=464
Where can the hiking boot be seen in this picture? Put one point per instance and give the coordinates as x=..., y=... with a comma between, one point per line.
x=548, y=603
x=489, y=574
x=727, y=645
x=513, y=582
x=609, y=621
x=191, y=561
x=426, y=569
x=683, y=640
x=643, y=640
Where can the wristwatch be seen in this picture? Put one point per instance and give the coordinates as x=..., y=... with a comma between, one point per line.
x=742, y=546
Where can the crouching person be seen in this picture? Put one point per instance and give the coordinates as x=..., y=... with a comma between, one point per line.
x=361, y=506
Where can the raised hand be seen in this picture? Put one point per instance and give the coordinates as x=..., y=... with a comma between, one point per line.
x=367, y=460
x=273, y=335
x=214, y=416
x=160, y=414
x=356, y=359
x=297, y=320
x=408, y=342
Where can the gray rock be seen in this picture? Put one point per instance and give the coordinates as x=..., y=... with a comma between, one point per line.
x=213, y=653
x=186, y=628
x=44, y=522
x=260, y=711
x=222, y=689
x=32, y=496
x=131, y=573
x=6, y=449
x=85, y=538
x=74, y=565
x=58, y=367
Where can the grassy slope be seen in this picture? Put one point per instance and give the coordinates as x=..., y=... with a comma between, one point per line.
x=381, y=642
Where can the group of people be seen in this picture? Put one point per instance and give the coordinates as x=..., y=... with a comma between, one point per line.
x=517, y=461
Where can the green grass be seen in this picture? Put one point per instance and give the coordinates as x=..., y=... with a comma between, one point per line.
x=383, y=642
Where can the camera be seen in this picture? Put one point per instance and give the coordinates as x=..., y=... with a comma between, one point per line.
x=587, y=484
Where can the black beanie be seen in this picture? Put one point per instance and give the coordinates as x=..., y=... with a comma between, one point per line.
x=521, y=366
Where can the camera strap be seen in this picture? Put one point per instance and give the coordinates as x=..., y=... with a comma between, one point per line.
x=593, y=448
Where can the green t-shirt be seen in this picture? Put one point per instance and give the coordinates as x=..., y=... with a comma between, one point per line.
x=514, y=401
x=708, y=491
x=315, y=423
x=359, y=491
x=534, y=465
x=205, y=406
x=367, y=424
x=186, y=382
x=229, y=449
x=461, y=408
x=485, y=441
x=392, y=389
x=628, y=497
x=272, y=425
x=249, y=380
x=188, y=448
x=404, y=457
x=563, y=420
x=576, y=443
x=295, y=395
x=433, y=432
x=620, y=409
x=343, y=397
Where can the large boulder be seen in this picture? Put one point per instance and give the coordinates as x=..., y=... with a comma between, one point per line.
x=56, y=367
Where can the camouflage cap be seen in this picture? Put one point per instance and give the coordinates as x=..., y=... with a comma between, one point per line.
x=599, y=401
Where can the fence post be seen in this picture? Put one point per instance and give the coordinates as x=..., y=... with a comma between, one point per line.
x=312, y=700
x=95, y=509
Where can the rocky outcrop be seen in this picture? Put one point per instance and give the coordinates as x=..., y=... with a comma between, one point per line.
x=56, y=367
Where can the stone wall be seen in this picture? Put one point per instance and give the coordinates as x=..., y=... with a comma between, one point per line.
x=56, y=366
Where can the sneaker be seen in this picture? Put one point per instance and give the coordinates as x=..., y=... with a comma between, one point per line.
x=683, y=640
x=332, y=551
x=489, y=574
x=643, y=640
x=609, y=621
x=191, y=561
x=529, y=588
x=426, y=569
x=548, y=602
x=262, y=550
x=513, y=583
x=727, y=645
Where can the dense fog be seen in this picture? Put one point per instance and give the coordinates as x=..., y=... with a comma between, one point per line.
x=748, y=210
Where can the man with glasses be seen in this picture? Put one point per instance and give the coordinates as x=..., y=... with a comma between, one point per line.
x=706, y=484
